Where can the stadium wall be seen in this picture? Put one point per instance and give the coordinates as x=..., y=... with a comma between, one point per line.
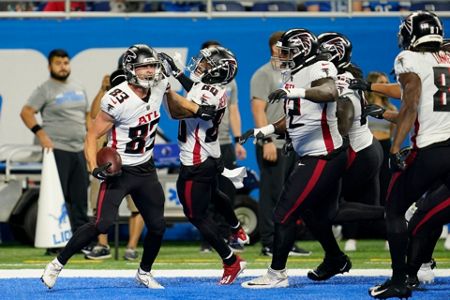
x=96, y=43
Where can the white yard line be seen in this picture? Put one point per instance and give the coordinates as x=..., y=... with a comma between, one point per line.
x=36, y=273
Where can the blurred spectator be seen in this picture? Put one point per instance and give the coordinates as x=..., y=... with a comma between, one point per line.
x=126, y=6
x=336, y=5
x=382, y=129
x=384, y=5
x=61, y=6
x=17, y=6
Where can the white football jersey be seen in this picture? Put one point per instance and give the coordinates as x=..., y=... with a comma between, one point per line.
x=433, y=118
x=198, y=139
x=359, y=134
x=312, y=126
x=135, y=121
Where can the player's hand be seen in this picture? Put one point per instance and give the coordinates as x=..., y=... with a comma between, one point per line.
x=240, y=151
x=206, y=112
x=169, y=66
x=373, y=110
x=360, y=84
x=101, y=172
x=248, y=134
x=288, y=147
x=396, y=162
x=277, y=95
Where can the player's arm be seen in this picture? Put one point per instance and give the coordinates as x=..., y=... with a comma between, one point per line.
x=322, y=90
x=412, y=88
x=28, y=117
x=391, y=90
x=100, y=126
x=180, y=107
x=235, y=124
x=345, y=113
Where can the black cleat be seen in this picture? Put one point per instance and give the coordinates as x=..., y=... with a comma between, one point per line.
x=330, y=267
x=413, y=283
x=390, y=290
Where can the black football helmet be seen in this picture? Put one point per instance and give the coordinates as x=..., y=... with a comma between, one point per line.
x=215, y=65
x=337, y=46
x=296, y=48
x=141, y=55
x=419, y=28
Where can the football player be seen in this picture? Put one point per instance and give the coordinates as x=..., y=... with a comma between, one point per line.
x=312, y=189
x=129, y=114
x=419, y=68
x=361, y=180
x=200, y=156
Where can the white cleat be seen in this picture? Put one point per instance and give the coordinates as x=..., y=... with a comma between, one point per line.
x=272, y=279
x=350, y=245
x=146, y=278
x=426, y=273
x=51, y=273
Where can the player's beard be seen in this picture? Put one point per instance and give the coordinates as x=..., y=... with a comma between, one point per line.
x=59, y=77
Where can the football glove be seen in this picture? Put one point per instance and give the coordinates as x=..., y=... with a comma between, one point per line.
x=258, y=133
x=373, y=110
x=206, y=112
x=360, y=84
x=169, y=66
x=101, y=172
x=396, y=162
x=277, y=95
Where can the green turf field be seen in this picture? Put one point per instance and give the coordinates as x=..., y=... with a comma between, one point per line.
x=177, y=255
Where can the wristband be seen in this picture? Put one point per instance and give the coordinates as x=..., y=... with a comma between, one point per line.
x=296, y=93
x=237, y=139
x=36, y=128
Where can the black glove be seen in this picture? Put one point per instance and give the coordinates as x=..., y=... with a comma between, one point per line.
x=396, y=162
x=248, y=134
x=102, y=173
x=287, y=147
x=206, y=112
x=360, y=84
x=169, y=66
x=373, y=110
x=277, y=95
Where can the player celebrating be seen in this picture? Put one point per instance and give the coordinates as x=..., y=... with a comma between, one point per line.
x=312, y=188
x=201, y=164
x=421, y=70
x=129, y=114
x=361, y=180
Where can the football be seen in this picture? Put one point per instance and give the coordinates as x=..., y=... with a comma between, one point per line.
x=109, y=155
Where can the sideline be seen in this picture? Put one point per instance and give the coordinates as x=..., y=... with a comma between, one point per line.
x=36, y=273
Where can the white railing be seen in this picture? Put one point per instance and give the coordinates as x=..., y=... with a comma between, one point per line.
x=208, y=13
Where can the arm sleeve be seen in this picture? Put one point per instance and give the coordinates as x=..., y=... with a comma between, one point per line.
x=404, y=63
x=38, y=99
x=110, y=106
x=233, y=99
x=323, y=69
x=259, y=87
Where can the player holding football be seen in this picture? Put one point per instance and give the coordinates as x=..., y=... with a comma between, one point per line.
x=129, y=114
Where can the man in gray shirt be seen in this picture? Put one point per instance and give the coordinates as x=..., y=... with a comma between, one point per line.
x=64, y=109
x=273, y=164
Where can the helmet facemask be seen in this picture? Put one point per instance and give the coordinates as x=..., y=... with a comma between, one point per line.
x=146, y=80
x=212, y=66
x=142, y=56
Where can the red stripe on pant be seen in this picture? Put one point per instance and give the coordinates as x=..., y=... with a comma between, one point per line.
x=351, y=155
x=309, y=187
x=100, y=199
x=188, y=197
x=441, y=206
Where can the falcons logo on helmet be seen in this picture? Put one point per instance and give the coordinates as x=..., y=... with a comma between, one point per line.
x=336, y=47
x=302, y=40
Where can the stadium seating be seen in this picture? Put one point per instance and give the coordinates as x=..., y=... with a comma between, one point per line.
x=182, y=6
x=274, y=6
x=100, y=6
x=228, y=6
x=431, y=5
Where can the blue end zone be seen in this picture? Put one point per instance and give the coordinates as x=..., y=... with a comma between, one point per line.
x=345, y=288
